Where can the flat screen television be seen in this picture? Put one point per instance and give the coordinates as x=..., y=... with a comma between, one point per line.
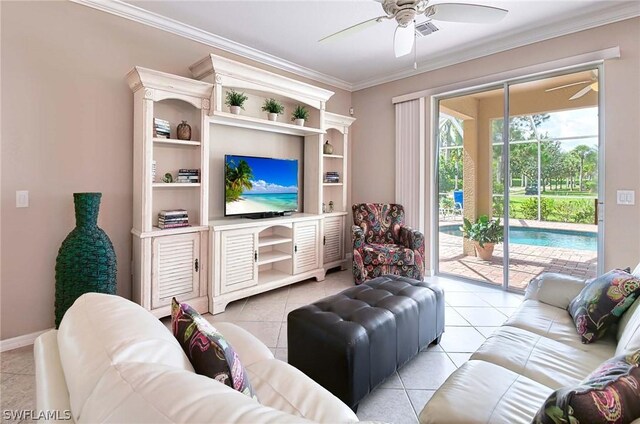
x=256, y=186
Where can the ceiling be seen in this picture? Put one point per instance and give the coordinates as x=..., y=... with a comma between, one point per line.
x=289, y=30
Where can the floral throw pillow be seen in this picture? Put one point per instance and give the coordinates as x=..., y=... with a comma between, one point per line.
x=601, y=303
x=207, y=350
x=610, y=394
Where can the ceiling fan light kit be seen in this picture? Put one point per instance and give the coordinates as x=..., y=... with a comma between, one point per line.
x=404, y=12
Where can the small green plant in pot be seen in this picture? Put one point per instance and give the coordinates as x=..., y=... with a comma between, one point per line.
x=299, y=115
x=485, y=233
x=273, y=108
x=235, y=101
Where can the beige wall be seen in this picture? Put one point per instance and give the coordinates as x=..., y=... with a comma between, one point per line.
x=373, y=177
x=68, y=116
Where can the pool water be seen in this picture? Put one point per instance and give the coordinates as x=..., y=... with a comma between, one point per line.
x=568, y=239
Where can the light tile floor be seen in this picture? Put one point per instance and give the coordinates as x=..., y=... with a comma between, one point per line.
x=473, y=312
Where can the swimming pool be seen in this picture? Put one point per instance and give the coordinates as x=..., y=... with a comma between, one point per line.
x=568, y=239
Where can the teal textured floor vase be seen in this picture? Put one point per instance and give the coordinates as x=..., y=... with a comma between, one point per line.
x=86, y=260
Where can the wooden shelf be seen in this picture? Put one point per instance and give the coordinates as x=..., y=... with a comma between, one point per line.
x=174, y=142
x=273, y=240
x=271, y=275
x=335, y=213
x=242, y=121
x=175, y=185
x=156, y=231
x=333, y=156
x=273, y=256
x=331, y=184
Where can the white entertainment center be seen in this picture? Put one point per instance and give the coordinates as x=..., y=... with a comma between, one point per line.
x=218, y=259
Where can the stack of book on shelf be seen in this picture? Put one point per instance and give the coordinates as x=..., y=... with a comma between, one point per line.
x=161, y=128
x=188, y=176
x=331, y=177
x=173, y=218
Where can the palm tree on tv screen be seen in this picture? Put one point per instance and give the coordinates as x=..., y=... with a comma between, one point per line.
x=237, y=178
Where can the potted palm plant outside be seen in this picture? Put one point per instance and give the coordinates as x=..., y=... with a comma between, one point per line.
x=484, y=233
x=235, y=101
x=273, y=108
x=299, y=115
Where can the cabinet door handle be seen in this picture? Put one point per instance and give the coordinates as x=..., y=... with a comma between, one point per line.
x=197, y=265
x=255, y=255
x=324, y=240
x=295, y=248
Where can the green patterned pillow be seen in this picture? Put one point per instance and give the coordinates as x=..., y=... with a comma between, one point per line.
x=601, y=303
x=207, y=350
x=610, y=394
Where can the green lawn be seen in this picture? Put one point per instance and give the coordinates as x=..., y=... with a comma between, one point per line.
x=554, y=208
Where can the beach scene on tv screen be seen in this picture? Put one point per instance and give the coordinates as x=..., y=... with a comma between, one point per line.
x=255, y=185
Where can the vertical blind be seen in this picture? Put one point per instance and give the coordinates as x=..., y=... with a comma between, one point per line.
x=410, y=161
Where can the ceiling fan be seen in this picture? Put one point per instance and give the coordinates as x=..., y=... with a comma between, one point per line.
x=405, y=12
x=592, y=85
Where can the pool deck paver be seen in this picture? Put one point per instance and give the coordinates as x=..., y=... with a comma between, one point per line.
x=526, y=262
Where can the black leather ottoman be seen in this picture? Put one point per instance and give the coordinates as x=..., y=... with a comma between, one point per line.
x=352, y=341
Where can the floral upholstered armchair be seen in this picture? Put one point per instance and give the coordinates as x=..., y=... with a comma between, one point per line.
x=382, y=244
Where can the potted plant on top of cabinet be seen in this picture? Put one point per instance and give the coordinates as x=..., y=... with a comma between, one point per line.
x=485, y=233
x=299, y=115
x=235, y=101
x=273, y=108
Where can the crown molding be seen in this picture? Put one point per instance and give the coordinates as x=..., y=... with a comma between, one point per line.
x=485, y=47
x=137, y=14
x=511, y=40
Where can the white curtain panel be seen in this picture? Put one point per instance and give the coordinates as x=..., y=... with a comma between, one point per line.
x=410, y=160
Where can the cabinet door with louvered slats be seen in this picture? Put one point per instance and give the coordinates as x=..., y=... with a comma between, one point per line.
x=175, y=268
x=332, y=239
x=238, y=266
x=305, y=251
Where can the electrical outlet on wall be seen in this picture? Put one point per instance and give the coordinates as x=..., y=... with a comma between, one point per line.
x=626, y=197
x=22, y=199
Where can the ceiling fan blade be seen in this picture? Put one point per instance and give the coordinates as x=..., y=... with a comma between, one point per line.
x=565, y=86
x=352, y=29
x=466, y=13
x=404, y=39
x=581, y=93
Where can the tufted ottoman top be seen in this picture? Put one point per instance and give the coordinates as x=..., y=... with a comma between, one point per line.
x=370, y=302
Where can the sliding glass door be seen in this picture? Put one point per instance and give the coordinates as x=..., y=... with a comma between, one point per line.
x=466, y=183
x=538, y=175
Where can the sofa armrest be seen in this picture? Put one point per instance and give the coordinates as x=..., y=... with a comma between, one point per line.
x=357, y=237
x=554, y=289
x=248, y=347
x=51, y=387
x=285, y=388
x=413, y=239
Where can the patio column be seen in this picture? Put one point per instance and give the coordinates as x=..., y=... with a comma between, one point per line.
x=470, y=177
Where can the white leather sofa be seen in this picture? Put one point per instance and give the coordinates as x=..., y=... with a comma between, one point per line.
x=534, y=353
x=112, y=361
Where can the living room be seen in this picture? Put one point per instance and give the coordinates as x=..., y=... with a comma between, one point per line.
x=82, y=68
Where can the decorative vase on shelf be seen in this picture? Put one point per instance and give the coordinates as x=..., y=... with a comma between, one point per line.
x=273, y=116
x=235, y=110
x=327, y=148
x=86, y=260
x=299, y=122
x=184, y=131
